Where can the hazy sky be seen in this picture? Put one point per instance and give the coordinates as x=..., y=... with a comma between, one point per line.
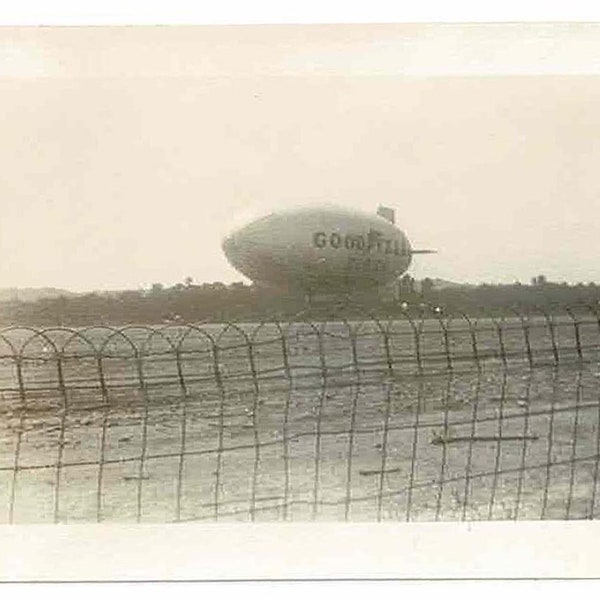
x=126, y=153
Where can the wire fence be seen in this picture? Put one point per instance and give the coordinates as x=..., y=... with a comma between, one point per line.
x=419, y=417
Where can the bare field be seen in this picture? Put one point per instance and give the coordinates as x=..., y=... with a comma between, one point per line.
x=428, y=420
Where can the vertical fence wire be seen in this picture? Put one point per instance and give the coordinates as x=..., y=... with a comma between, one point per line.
x=552, y=331
x=469, y=460
x=322, y=393
x=573, y=455
x=472, y=329
x=284, y=340
x=64, y=411
x=384, y=449
x=550, y=446
x=103, y=434
x=524, y=402
x=20, y=429
x=183, y=433
x=221, y=424
x=144, y=433
x=416, y=427
x=596, y=469
x=445, y=402
x=352, y=428
x=498, y=453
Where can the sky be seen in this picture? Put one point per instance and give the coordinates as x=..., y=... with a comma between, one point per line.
x=128, y=152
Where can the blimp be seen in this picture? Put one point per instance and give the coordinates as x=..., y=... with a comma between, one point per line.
x=323, y=249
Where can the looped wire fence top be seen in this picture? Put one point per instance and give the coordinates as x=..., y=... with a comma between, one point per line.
x=422, y=416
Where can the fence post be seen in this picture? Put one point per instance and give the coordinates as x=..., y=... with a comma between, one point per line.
x=577, y=333
x=384, y=331
x=498, y=323
x=284, y=338
x=526, y=334
x=22, y=406
x=594, y=309
x=550, y=323
x=417, y=329
x=473, y=333
x=444, y=323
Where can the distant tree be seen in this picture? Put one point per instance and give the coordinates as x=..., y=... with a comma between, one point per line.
x=188, y=281
x=157, y=287
x=539, y=280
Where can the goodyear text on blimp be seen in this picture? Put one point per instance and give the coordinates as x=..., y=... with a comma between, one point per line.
x=374, y=241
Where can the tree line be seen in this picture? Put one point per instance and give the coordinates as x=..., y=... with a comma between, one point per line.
x=188, y=302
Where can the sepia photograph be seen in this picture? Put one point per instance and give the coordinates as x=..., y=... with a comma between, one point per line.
x=300, y=273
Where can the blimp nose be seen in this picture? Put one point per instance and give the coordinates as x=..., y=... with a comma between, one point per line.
x=231, y=247
x=227, y=244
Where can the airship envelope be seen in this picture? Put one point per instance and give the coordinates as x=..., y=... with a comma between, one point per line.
x=322, y=248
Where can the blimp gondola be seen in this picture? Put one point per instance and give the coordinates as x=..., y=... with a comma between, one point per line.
x=321, y=249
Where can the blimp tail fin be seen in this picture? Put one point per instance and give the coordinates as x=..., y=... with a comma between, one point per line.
x=387, y=213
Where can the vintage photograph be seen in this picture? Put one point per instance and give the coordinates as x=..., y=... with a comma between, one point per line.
x=297, y=273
